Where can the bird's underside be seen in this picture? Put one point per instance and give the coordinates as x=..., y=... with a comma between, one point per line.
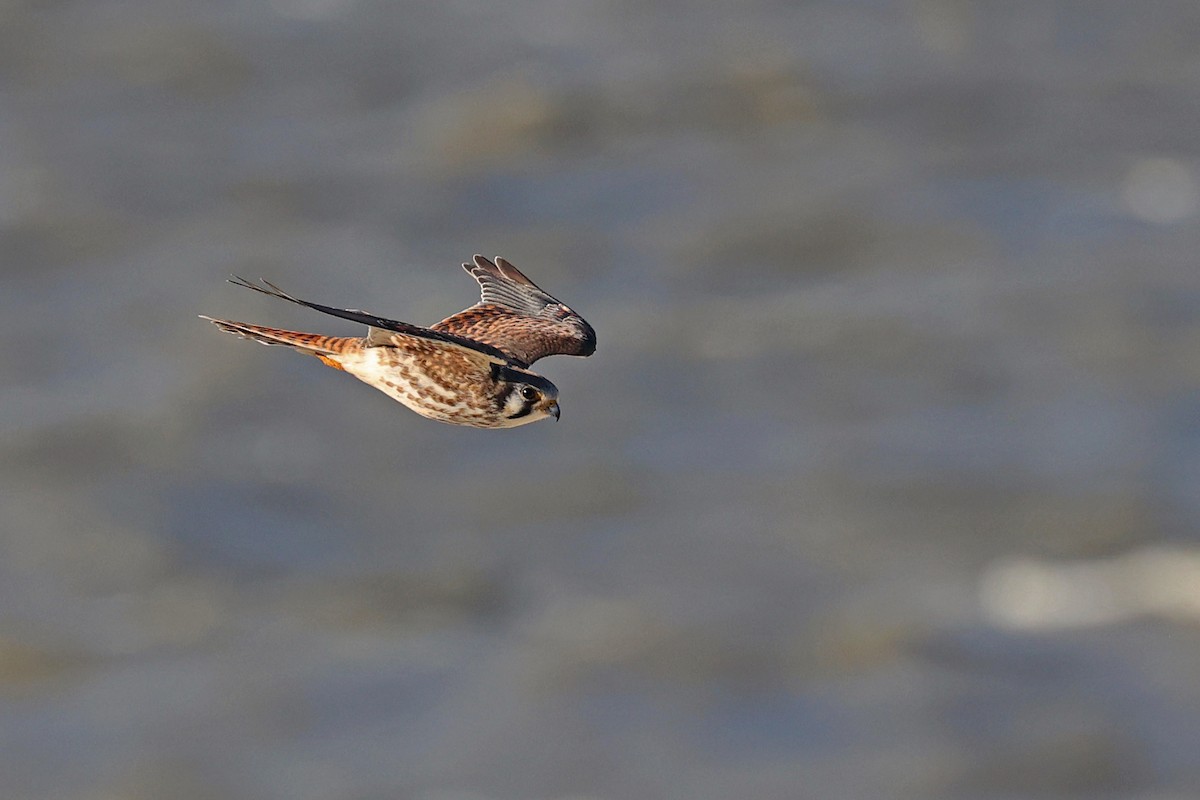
x=469, y=369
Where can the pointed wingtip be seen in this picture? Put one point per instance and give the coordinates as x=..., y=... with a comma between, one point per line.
x=278, y=292
x=263, y=286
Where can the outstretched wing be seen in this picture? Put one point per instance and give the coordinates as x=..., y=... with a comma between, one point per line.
x=381, y=328
x=517, y=318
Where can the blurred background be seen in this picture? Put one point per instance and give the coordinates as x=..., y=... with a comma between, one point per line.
x=883, y=483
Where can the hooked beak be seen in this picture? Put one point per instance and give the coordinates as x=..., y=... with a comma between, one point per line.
x=553, y=410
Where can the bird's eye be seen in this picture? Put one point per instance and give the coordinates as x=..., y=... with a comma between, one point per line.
x=529, y=393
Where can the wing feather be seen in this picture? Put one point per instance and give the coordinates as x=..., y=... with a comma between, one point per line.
x=381, y=329
x=517, y=317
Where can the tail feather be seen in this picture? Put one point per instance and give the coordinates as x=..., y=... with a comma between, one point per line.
x=313, y=344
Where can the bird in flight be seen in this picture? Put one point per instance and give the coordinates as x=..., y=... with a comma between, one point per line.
x=472, y=368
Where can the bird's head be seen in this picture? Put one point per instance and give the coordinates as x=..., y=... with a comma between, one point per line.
x=523, y=396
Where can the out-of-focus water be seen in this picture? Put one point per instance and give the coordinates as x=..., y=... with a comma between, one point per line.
x=884, y=480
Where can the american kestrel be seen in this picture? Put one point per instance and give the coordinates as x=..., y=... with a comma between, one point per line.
x=471, y=368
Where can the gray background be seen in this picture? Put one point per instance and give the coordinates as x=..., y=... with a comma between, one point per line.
x=883, y=483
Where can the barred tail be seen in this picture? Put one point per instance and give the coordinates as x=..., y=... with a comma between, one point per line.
x=326, y=348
